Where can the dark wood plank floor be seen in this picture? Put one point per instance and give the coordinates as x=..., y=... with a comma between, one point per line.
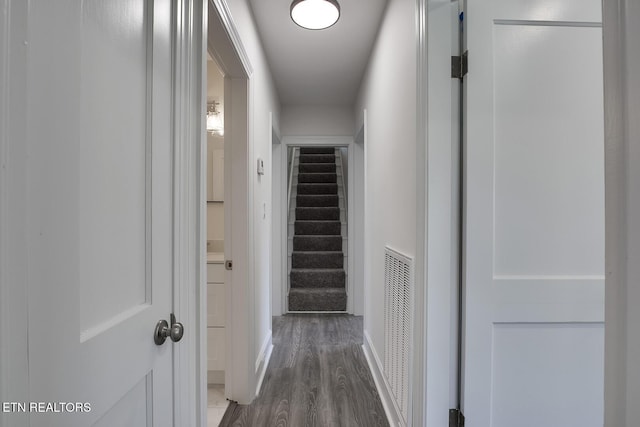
x=317, y=376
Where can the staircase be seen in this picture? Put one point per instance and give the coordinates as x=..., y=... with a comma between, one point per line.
x=317, y=276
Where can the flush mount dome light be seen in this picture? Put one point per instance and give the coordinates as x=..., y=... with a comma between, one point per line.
x=315, y=14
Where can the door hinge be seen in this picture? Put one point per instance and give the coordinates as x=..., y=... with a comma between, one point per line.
x=228, y=264
x=460, y=65
x=456, y=418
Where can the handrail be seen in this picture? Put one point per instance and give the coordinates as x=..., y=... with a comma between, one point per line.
x=293, y=162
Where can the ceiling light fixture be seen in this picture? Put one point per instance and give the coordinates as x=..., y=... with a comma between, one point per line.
x=315, y=14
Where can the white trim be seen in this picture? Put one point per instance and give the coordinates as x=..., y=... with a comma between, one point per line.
x=622, y=209
x=358, y=208
x=547, y=23
x=334, y=141
x=14, y=319
x=391, y=410
x=188, y=192
x=262, y=361
x=352, y=286
x=224, y=14
x=417, y=357
x=201, y=366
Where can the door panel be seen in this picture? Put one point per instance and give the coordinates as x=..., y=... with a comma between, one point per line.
x=133, y=409
x=113, y=157
x=99, y=205
x=571, y=352
x=534, y=254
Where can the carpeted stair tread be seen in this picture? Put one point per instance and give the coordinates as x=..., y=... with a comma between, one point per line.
x=318, y=177
x=317, y=200
x=317, y=188
x=318, y=213
x=317, y=259
x=317, y=243
x=317, y=278
x=317, y=150
x=317, y=158
x=317, y=227
x=317, y=168
x=327, y=299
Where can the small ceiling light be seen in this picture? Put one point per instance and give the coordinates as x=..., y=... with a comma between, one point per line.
x=315, y=14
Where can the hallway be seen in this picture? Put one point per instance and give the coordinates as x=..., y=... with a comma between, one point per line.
x=317, y=376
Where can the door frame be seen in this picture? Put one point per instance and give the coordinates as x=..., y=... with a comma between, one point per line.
x=334, y=141
x=220, y=38
x=14, y=369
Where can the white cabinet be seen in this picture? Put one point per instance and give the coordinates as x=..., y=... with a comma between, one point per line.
x=216, y=302
x=215, y=272
x=215, y=305
x=215, y=351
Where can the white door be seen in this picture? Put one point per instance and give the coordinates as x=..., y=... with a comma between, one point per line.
x=99, y=212
x=534, y=333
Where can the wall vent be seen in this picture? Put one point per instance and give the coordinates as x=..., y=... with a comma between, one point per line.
x=398, y=314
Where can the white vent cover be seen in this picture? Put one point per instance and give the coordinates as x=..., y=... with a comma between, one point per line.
x=398, y=280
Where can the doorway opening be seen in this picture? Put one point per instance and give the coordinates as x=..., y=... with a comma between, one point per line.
x=224, y=304
x=317, y=249
x=317, y=228
x=215, y=214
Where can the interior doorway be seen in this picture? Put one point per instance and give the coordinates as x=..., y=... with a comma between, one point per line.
x=317, y=228
x=346, y=186
x=223, y=298
x=215, y=214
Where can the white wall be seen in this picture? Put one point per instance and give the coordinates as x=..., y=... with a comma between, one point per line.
x=388, y=93
x=621, y=22
x=215, y=211
x=317, y=120
x=264, y=100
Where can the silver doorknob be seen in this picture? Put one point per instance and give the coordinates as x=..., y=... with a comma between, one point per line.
x=163, y=331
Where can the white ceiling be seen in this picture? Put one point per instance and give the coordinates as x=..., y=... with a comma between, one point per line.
x=322, y=67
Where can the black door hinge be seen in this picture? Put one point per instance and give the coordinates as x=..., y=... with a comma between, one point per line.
x=460, y=65
x=456, y=418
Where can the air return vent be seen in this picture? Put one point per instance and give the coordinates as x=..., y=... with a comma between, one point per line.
x=398, y=279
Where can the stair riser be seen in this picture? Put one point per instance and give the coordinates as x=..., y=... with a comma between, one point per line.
x=317, y=168
x=318, y=213
x=321, y=189
x=317, y=243
x=317, y=150
x=315, y=260
x=331, y=178
x=324, y=228
x=299, y=301
x=317, y=158
x=317, y=279
x=306, y=200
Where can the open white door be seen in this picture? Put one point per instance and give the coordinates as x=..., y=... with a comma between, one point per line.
x=534, y=333
x=99, y=209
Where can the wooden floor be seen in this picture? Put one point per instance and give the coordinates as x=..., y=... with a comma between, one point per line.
x=317, y=376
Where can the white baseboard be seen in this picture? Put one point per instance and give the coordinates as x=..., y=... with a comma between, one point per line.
x=262, y=361
x=394, y=416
